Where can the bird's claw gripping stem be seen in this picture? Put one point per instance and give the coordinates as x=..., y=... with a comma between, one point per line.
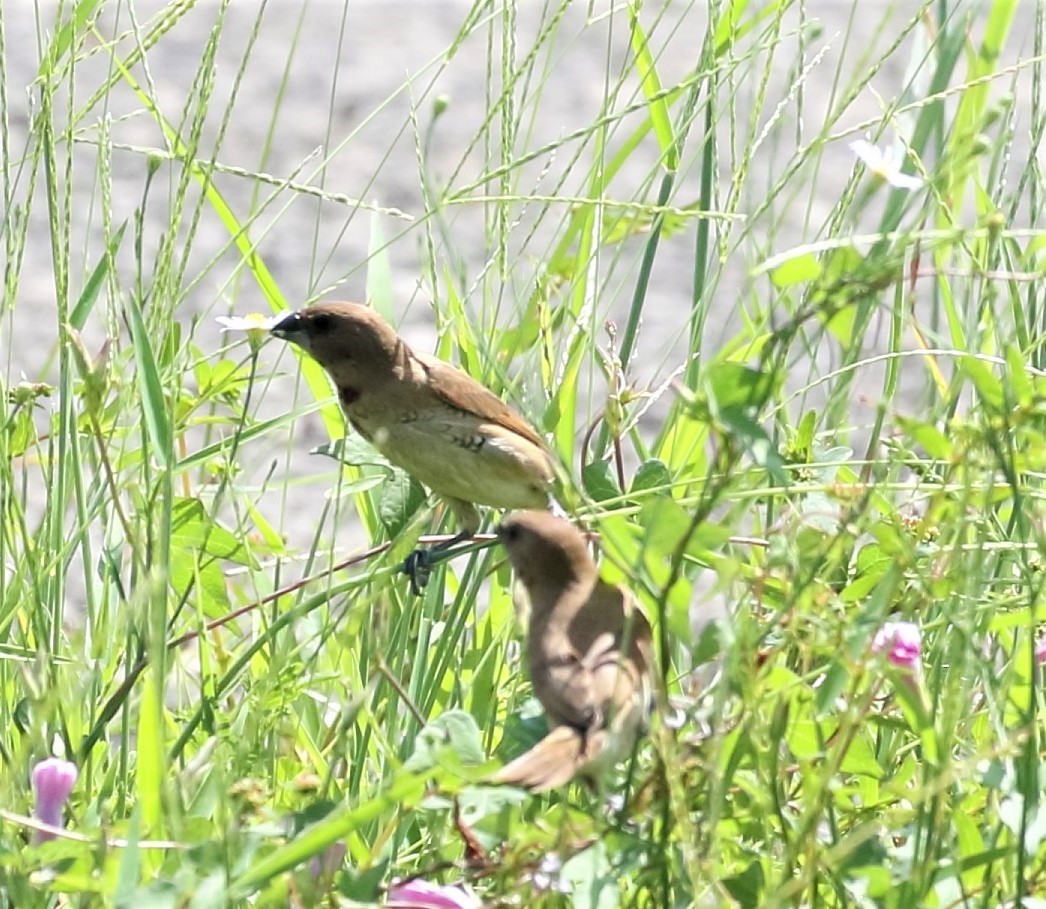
x=419, y=564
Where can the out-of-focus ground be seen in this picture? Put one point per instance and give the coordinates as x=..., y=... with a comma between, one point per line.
x=355, y=86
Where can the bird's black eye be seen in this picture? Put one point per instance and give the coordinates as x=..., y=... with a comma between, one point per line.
x=509, y=533
x=322, y=323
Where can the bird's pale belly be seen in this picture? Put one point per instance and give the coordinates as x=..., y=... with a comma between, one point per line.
x=487, y=466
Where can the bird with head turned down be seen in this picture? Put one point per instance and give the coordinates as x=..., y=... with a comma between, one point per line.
x=425, y=416
x=589, y=655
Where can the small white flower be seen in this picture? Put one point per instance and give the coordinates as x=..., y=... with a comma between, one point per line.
x=885, y=164
x=255, y=324
x=253, y=321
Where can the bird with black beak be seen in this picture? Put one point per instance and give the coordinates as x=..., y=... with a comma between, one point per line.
x=426, y=417
x=589, y=654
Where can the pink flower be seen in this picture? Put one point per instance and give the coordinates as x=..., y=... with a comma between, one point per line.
x=1040, y=649
x=902, y=644
x=53, y=780
x=328, y=861
x=423, y=895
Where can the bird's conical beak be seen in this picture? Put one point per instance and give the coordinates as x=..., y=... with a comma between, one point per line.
x=292, y=329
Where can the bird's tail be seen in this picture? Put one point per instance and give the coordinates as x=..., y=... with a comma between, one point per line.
x=553, y=761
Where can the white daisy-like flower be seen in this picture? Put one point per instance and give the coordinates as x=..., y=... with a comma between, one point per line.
x=885, y=164
x=255, y=324
x=253, y=321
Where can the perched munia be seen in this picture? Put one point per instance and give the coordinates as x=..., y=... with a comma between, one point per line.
x=589, y=653
x=425, y=416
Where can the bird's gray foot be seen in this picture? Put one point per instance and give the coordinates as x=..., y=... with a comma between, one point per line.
x=419, y=564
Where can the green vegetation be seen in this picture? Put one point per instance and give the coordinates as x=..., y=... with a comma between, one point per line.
x=842, y=423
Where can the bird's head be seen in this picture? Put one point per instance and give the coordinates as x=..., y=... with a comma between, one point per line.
x=350, y=340
x=545, y=548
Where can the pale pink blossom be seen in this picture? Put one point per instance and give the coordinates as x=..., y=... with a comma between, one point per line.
x=53, y=779
x=902, y=644
x=328, y=861
x=418, y=894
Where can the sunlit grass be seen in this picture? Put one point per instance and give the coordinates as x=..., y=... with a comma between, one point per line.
x=779, y=379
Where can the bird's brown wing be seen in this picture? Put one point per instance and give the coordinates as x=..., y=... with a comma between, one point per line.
x=462, y=392
x=615, y=640
x=614, y=611
x=551, y=762
x=564, y=687
x=577, y=688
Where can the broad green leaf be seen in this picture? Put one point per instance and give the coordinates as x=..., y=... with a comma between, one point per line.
x=732, y=385
x=455, y=730
x=803, y=267
x=597, y=478
x=756, y=442
x=989, y=389
x=651, y=475
x=934, y=442
x=591, y=879
x=353, y=450
x=401, y=496
x=192, y=528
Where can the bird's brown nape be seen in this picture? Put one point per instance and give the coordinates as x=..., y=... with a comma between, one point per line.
x=538, y=542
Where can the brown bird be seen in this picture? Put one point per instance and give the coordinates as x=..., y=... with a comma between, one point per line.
x=589, y=654
x=427, y=417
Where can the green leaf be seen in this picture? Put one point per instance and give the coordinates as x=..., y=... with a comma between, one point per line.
x=651, y=475
x=1017, y=375
x=353, y=450
x=665, y=523
x=832, y=685
x=151, y=763
x=727, y=28
x=756, y=442
x=89, y=295
x=656, y=100
x=803, y=267
x=804, y=436
x=989, y=389
x=66, y=35
x=599, y=482
x=454, y=731
x=401, y=497
x=154, y=407
x=747, y=887
x=841, y=324
x=193, y=529
x=936, y=444
x=591, y=878
x=130, y=864
x=732, y=385
x=379, y=271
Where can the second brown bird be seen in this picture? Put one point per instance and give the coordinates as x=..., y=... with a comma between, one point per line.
x=589, y=654
x=427, y=417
